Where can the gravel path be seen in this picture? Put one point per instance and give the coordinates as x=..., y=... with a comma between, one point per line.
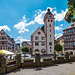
x=60, y=69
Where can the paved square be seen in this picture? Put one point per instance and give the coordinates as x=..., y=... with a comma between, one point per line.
x=60, y=69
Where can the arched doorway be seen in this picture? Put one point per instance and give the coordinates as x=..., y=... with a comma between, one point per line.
x=36, y=50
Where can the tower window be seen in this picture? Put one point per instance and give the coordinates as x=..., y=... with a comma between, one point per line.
x=50, y=30
x=51, y=20
x=50, y=43
x=48, y=20
x=50, y=47
x=50, y=25
x=50, y=35
x=50, y=51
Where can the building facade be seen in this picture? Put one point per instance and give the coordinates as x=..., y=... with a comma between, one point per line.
x=43, y=38
x=6, y=42
x=69, y=38
x=18, y=48
x=60, y=41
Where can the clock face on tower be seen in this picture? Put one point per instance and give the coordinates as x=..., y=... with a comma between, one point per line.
x=50, y=16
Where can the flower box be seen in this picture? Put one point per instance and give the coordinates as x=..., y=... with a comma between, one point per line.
x=60, y=57
x=72, y=56
x=11, y=62
x=47, y=59
x=28, y=60
x=1, y=55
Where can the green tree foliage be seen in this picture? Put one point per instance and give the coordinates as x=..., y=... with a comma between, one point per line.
x=58, y=47
x=25, y=49
x=70, y=15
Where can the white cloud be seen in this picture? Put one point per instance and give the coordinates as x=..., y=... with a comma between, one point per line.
x=58, y=35
x=5, y=27
x=61, y=25
x=60, y=16
x=21, y=26
x=58, y=28
x=20, y=39
x=39, y=16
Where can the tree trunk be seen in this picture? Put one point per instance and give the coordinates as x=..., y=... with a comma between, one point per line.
x=24, y=56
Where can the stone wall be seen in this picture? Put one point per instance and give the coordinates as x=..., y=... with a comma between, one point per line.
x=3, y=65
x=30, y=65
x=8, y=68
x=11, y=68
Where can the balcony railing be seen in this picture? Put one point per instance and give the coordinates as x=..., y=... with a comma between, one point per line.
x=3, y=44
x=69, y=33
x=3, y=39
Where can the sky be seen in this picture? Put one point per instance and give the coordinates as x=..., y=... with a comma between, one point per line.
x=20, y=18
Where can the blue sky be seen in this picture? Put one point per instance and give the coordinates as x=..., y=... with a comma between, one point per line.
x=20, y=18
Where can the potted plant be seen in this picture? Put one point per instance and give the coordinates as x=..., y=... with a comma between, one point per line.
x=60, y=57
x=18, y=53
x=47, y=59
x=28, y=60
x=10, y=62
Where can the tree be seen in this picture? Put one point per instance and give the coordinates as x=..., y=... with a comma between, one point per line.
x=70, y=15
x=58, y=47
x=25, y=49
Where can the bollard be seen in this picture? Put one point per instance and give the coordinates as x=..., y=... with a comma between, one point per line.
x=37, y=60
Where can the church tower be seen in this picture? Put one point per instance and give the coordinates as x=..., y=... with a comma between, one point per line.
x=49, y=31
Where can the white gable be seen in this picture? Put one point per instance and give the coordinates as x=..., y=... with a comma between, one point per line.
x=36, y=34
x=38, y=30
x=3, y=33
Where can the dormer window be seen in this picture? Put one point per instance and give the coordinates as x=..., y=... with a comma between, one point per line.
x=69, y=31
x=72, y=25
x=72, y=30
x=51, y=20
x=2, y=33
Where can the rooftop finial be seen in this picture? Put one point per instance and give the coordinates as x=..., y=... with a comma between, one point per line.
x=48, y=10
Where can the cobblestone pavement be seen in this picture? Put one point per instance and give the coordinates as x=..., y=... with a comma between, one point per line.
x=60, y=69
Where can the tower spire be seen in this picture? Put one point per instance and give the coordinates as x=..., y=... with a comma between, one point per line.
x=48, y=10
